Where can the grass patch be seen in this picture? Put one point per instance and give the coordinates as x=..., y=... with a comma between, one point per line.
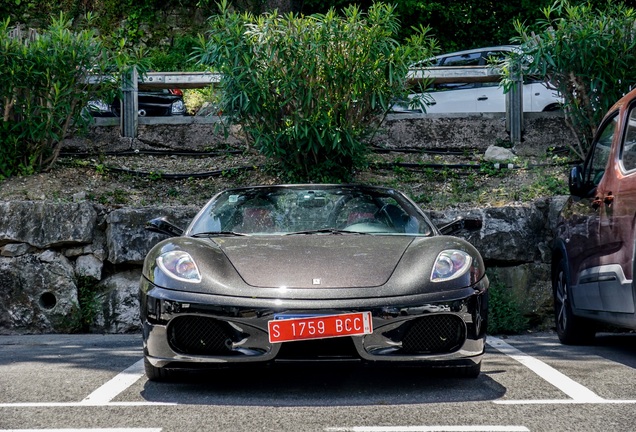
x=505, y=312
x=83, y=314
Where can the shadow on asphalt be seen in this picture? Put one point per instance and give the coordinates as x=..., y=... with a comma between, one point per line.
x=322, y=385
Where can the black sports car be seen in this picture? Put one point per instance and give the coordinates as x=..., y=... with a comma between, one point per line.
x=312, y=272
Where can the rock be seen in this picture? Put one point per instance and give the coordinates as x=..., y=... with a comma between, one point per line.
x=96, y=248
x=119, y=300
x=126, y=238
x=48, y=256
x=14, y=249
x=545, y=251
x=89, y=266
x=74, y=252
x=44, y=224
x=100, y=254
x=498, y=154
x=80, y=196
x=555, y=206
x=37, y=295
x=509, y=235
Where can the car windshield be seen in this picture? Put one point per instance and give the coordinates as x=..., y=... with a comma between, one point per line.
x=305, y=211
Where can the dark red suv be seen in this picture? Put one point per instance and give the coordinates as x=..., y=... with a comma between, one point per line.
x=594, y=251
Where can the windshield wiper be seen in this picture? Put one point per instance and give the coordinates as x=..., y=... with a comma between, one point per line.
x=325, y=231
x=217, y=233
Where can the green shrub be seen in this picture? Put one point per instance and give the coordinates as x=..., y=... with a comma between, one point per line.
x=83, y=314
x=589, y=54
x=505, y=312
x=44, y=89
x=309, y=91
x=176, y=57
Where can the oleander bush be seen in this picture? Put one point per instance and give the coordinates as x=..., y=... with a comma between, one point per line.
x=588, y=53
x=44, y=88
x=309, y=91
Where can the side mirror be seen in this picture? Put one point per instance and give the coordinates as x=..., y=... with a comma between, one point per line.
x=163, y=226
x=575, y=180
x=461, y=223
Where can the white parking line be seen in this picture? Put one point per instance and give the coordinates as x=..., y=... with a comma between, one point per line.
x=429, y=429
x=84, y=430
x=562, y=402
x=115, y=386
x=577, y=392
x=80, y=404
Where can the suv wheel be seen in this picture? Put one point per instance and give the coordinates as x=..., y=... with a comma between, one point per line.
x=572, y=330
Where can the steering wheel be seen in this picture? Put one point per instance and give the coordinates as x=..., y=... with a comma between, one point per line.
x=383, y=216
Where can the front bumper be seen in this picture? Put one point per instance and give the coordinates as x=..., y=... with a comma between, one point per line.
x=186, y=330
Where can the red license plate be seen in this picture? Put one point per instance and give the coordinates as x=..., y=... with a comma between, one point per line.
x=318, y=327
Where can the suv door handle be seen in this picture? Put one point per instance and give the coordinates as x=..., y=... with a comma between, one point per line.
x=482, y=98
x=608, y=200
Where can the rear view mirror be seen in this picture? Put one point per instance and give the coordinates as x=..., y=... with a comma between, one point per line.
x=575, y=180
x=461, y=223
x=163, y=226
x=311, y=199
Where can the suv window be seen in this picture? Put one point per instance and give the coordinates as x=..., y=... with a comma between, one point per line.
x=596, y=163
x=628, y=150
x=463, y=60
x=472, y=59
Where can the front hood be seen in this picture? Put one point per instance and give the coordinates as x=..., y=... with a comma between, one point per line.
x=315, y=261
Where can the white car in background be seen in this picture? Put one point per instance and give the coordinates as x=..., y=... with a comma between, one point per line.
x=481, y=97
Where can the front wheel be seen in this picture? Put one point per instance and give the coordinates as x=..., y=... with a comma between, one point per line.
x=155, y=373
x=572, y=330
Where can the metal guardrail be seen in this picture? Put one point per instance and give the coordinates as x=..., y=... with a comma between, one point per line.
x=189, y=80
x=183, y=80
x=460, y=74
x=453, y=74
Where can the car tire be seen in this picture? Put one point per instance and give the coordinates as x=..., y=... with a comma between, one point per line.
x=553, y=107
x=571, y=330
x=155, y=373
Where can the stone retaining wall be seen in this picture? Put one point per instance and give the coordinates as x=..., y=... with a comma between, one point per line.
x=478, y=131
x=51, y=251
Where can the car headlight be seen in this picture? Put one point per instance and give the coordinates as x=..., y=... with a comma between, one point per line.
x=178, y=107
x=450, y=264
x=179, y=265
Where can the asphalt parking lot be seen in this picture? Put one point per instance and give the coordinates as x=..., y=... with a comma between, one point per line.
x=528, y=383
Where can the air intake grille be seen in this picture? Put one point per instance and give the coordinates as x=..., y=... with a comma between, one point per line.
x=197, y=335
x=434, y=334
